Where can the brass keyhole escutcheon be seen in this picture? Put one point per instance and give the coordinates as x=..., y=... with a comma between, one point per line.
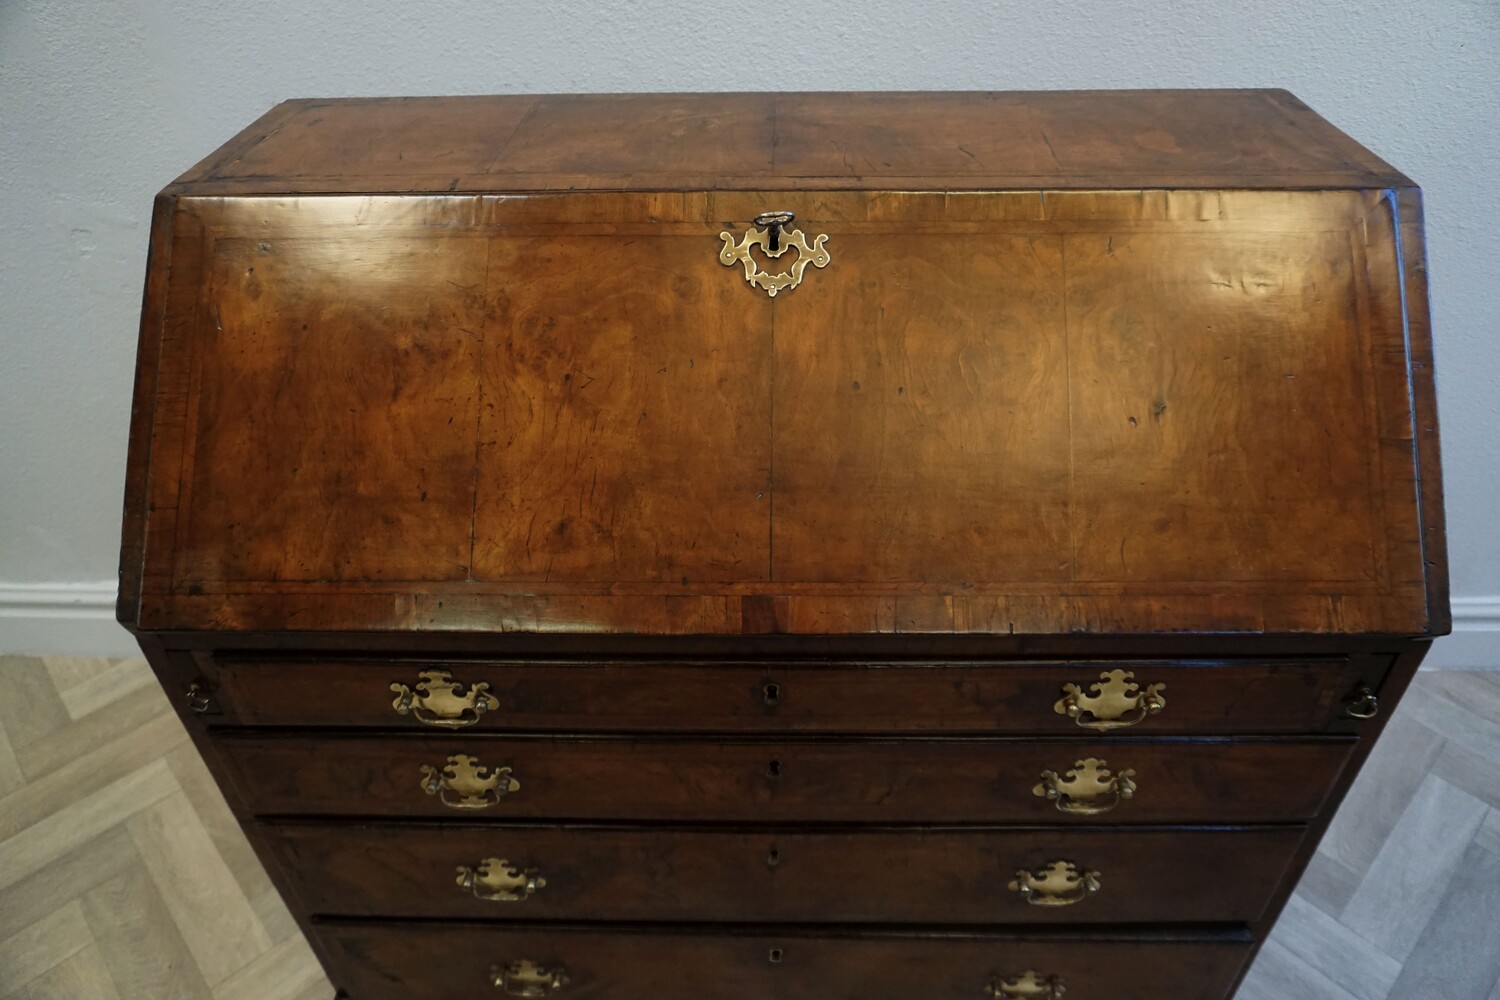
x=773, y=858
x=769, y=232
x=775, y=955
x=771, y=693
x=773, y=769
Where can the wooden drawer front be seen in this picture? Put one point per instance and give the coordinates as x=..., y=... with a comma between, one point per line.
x=969, y=781
x=426, y=962
x=1293, y=696
x=885, y=876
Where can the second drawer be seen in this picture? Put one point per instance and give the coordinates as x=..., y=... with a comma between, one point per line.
x=973, y=781
x=867, y=876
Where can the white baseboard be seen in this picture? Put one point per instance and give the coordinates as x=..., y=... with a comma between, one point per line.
x=1475, y=642
x=70, y=619
x=78, y=619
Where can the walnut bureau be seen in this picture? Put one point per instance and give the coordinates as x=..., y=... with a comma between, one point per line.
x=792, y=546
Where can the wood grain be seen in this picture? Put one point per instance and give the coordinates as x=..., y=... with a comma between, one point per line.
x=791, y=141
x=922, y=697
x=921, y=417
x=616, y=369
x=861, y=781
x=673, y=453
x=786, y=875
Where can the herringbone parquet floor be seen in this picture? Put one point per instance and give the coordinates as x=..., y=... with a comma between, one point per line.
x=123, y=876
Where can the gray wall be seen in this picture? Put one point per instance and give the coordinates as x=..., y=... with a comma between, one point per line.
x=101, y=103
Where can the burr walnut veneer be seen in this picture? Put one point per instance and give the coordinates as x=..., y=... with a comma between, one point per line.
x=795, y=546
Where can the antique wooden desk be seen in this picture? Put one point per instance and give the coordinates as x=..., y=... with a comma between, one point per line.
x=786, y=547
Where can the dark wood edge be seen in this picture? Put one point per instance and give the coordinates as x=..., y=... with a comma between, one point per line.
x=1412, y=245
x=1390, y=688
x=143, y=410
x=883, y=646
x=554, y=184
x=1229, y=934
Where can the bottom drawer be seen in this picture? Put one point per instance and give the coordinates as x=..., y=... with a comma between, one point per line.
x=462, y=961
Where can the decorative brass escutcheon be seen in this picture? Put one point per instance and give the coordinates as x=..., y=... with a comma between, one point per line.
x=1116, y=701
x=774, y=241
x=522, y=978
x=1089, y=789
x=1059, y=884
x=441, y=701
x=496, y=880
x=1029, y=985
x=464, y=784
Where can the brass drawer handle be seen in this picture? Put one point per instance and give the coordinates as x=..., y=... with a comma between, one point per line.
x=496, y=880
x=1362, y=704
x=1089, y=789
x=522, y=978
x=464, y=784
x=198, y=699
x=774, y=242
x=1059, y=884
x=1029, y=985
x=1116, y=701
x=441, y=701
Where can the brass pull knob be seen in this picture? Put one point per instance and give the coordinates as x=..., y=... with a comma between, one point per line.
x=528, y=979
x=496, y=880
x=1362, y=704
x=1058, y=884
x=441, y=701
x=464, y=784
x=1116, y=701
x=1089, y=789
x=775, y=240
x=1029, y=985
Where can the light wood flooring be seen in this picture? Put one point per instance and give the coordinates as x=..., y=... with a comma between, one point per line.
x=124, y=877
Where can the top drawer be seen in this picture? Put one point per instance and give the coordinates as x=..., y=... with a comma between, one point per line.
x=1082, y=698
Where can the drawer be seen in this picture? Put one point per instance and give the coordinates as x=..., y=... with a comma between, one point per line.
x=413, y=961
x=877, y=876
x=848, y=780
x=1199, y=697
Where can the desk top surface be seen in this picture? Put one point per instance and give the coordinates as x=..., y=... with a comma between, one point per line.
x=791, y=141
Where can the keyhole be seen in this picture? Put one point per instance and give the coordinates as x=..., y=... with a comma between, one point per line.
x=773, y=769
x=773, y=857
x=774, y=955
x=772, y=692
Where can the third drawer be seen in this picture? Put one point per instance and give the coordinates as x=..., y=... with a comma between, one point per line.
x=969, y=877
x=856, y=781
